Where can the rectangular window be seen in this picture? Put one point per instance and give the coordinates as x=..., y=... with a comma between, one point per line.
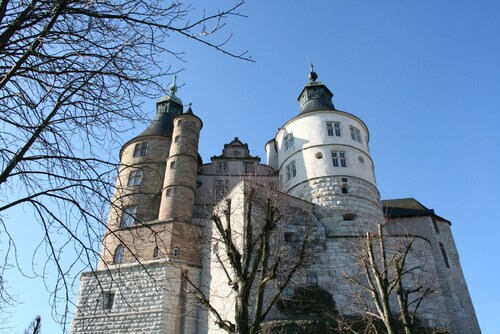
x=108, y=299
x=339, y=159
x=220, y=188
x=291, y=171
x=172, y=164
x=135, y=178
x=333, y=129
x=141, y=149
x=128, y=217
x=355, y=134
x=248, y=167
x=288, y=141
x=445, y=257
x=169, y=192
x=222, y=167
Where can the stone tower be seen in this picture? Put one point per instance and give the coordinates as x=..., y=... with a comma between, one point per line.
x=323, y=157
x=151, y=241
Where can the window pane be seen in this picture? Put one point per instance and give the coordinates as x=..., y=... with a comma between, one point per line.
x=118, y=257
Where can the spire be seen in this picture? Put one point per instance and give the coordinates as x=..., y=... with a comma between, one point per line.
x=173, y=86
x=312, y=75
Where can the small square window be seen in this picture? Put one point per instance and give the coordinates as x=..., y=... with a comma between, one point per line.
x=169, y=192
x=349, y=216
x=290, y=236
x=172, y=164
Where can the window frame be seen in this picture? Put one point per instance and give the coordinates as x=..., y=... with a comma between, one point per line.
x=339, y=159
x=288, y=141
x=333, y=129
x=135, y=178
x=355, y=134
x=128, y=219
x=291, y=170
x=140, y=149
x=118, y=254
x=222, y=167
x=220, y=188
x=108, y=299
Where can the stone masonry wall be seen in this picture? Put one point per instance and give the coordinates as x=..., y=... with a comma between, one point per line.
x=146, y=300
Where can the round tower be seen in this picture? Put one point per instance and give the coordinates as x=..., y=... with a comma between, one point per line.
x=136, y=201
x=180, y=177
x=178, y=195
x=323, y=157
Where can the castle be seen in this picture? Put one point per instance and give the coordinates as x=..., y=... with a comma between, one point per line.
x=319, y=159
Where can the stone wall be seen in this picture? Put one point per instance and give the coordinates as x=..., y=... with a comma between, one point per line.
x=146, y=300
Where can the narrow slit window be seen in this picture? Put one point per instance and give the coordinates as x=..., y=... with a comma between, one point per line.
x=176, y=252
x=118, y=256
x=445, y=256
x=291, y=171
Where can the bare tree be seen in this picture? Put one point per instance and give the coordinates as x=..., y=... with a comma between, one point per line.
x=254, y=256
x=72, y=77
x=390, y=274
x=35, y=326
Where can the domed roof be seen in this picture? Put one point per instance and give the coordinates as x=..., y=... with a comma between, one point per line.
x=315, y=95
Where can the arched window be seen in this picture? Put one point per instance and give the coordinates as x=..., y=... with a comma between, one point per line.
x=156, y=253
x=119, y=251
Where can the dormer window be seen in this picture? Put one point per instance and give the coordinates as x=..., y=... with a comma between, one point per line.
x=140, y=149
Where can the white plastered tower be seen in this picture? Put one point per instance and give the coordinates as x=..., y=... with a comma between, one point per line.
x=323, y=157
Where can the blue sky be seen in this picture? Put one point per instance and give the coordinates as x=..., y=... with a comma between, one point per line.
x=423, y=75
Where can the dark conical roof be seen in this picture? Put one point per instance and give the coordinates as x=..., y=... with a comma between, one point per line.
x=167, y=108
